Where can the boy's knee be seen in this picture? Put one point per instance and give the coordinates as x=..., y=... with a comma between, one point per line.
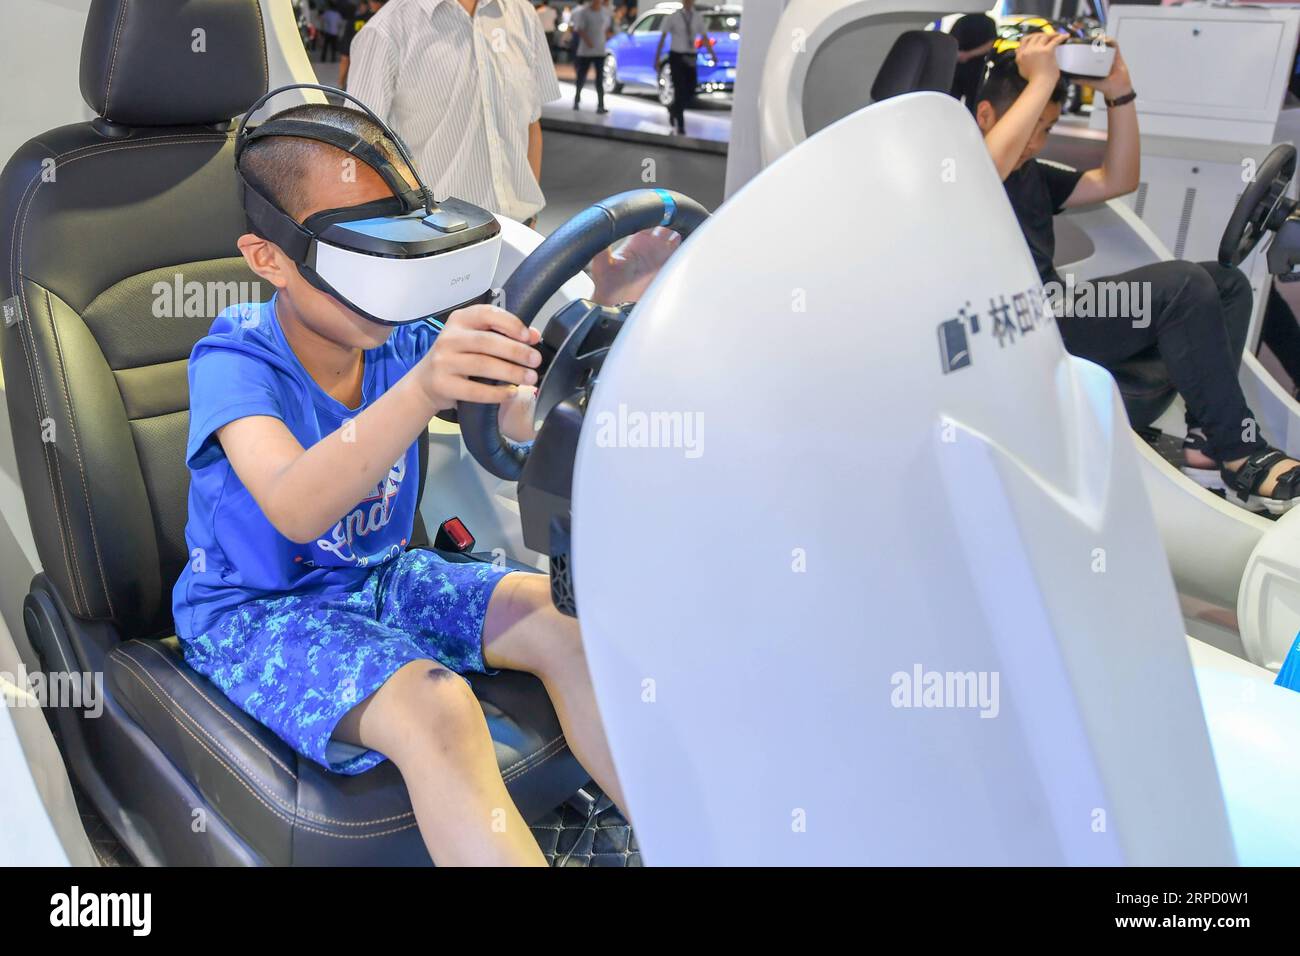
x=432, y=705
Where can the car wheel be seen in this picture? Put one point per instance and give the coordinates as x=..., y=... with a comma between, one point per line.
x=610, y=76
x=666, y=85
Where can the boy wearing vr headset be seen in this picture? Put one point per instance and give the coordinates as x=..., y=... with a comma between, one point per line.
x=327, y=629
x=1196, y=313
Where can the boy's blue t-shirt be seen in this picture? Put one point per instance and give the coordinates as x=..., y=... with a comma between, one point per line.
x=244, y=366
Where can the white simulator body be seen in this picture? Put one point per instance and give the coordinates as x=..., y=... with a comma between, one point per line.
x=750, y=703
x=1188, y=202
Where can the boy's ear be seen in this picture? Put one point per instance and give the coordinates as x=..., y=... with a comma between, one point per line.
x=985, y=115
x=265, y=259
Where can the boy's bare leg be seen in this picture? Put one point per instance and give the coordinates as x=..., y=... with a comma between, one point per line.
x=524, y=632
x=427, y=721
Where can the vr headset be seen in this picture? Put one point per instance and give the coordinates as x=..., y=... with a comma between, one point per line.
x=397, y=260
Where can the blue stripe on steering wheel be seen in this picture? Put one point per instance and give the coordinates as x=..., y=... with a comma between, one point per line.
x=670, y=206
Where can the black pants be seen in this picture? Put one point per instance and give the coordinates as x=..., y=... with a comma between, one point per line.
x=580, y=77
x=681, y=66
x=1197, y=315
x=330, y=49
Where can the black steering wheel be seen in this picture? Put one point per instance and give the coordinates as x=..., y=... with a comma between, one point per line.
x=559, y=258
x=1262, y=207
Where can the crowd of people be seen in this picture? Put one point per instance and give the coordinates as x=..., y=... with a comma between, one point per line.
x=464, y=81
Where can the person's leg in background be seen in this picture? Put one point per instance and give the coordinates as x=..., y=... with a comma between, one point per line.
x=598, y=81
x=681, y=67
x=1236, y=301
x=1184, y=319
x=690, y=77
x=580, y=65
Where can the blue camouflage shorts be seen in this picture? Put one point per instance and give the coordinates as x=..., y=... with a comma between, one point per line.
x=298, y=663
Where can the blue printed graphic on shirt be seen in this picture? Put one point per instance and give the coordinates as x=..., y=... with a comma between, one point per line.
x=245, y=367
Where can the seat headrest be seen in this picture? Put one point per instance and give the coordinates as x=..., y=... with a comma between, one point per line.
x=173, y=62
x=919, y=60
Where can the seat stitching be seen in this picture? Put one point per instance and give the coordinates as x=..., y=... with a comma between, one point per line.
x=322, y=818
x=17, y=237
x=38, y=399
x=261, y=36
x=525, y=759
x=112, y=61
x=81, y=467
x=198, y=690
x=555, y=753
x=134, y=665
x=51, y=449
x=132, y=670
x=521, y=767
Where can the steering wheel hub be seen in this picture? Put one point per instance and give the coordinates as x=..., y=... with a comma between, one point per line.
x=574, y=346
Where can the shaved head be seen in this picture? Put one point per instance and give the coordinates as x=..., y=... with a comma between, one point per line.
x=303, y=176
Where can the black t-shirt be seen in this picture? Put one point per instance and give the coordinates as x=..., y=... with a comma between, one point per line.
x=355, y=23
x=1038, y=191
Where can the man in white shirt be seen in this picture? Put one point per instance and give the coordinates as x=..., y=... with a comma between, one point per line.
x=463, y=83
x=680, y=28
x=594, y=25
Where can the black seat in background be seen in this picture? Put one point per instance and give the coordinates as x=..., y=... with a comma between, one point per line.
x=101, y=219
x=919, y=60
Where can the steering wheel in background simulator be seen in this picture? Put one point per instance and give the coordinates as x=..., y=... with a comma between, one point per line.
x=573, y=346
x=1264, y=206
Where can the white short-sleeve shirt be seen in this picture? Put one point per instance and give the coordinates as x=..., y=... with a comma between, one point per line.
x=682, y=29
x=461, y=91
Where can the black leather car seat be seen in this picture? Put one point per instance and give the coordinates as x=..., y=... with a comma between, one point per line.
x=101, y=221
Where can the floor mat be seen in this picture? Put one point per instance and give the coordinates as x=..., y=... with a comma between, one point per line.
x=568, y=838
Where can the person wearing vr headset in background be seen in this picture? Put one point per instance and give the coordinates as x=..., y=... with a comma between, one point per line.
x=302, y=601
x=1197, y=313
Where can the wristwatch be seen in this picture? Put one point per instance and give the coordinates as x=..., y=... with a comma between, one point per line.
x=1128, y=97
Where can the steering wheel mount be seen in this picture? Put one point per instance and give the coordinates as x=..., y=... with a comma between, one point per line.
x=574, y=345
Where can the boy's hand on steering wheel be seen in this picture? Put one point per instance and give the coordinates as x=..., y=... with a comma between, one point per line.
x=515, y=416
x=481, y=341
x=1036, y=56
x=622, y=273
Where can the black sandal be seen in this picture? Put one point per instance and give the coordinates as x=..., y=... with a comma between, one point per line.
x=1245, y=482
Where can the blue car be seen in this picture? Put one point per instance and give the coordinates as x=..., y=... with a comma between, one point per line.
x=630, y=56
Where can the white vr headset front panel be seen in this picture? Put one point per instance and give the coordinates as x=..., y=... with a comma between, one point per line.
x=404, y=290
